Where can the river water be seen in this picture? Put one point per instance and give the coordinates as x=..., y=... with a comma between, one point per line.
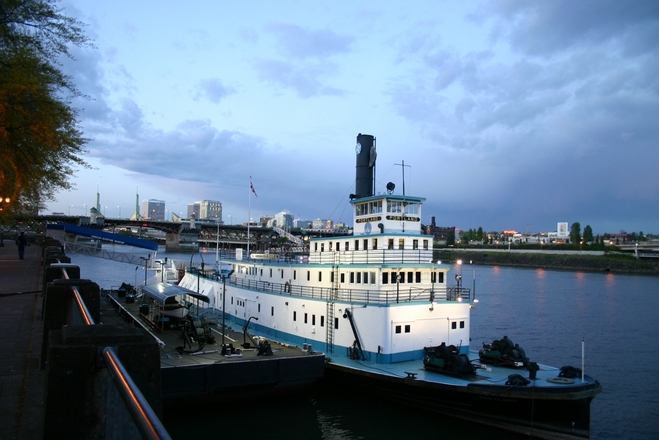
x=551, y=314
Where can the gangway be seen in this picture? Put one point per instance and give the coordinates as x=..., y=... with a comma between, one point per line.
x=298, y=241
x=109, y=236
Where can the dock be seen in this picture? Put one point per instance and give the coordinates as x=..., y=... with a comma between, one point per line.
x=205, y=374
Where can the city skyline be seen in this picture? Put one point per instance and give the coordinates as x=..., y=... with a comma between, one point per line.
x=520, y=113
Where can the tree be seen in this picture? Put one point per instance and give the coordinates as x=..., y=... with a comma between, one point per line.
x=40, y=142
x=588, y=234
x=575, y=233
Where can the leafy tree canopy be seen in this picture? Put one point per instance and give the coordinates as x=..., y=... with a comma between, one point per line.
x=40, y=142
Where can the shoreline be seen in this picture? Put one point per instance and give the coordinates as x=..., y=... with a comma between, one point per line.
x=607, y=263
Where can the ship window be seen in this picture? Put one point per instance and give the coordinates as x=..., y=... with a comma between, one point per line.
x=315, y=247
x=375, y=244
x=270, y=273
x=338, y=246
x=313, y=319
x=347, y=245
x=454, y=325
x=433, y=277
x=282, y=273
x=425, y=244
x=407, y=328
x=401, y=243
x=331, y=277
x=390, y=244
x=415, y=244
x=343, y=278
x=322, y=320
x=232, y=300
x=352, y=277
x=356, y=245
x=462, y=324
x=261, y=272
x=418, y=277
x=259, y=308
x=294, y=316
x=398, y=329
x=385, y=277
x=372, y=277
x=365, y=277
x=440, y=277
x=320, y=276
x=330, y=248
x=305, y=318
x=336, y=323
x=272, y=311
x=295, y=274
x=410, y=277
x=308, y=275
x=359, y=277
x=322, y=247
x=366, y=244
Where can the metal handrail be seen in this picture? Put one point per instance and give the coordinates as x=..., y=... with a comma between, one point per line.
x=146, y=420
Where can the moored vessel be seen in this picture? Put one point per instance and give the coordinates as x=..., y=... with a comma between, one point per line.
x=381, y=309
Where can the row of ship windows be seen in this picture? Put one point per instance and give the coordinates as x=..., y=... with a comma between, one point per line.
x=241, y=303
x=374, y=245
x=398, y=328
x=364, y=277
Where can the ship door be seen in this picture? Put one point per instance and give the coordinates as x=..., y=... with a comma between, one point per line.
x=250, y=309
x=402, y=341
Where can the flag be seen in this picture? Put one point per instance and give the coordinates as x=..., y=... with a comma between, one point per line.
x=252, y=188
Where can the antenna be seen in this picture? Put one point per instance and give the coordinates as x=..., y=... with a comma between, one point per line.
x=402, y=165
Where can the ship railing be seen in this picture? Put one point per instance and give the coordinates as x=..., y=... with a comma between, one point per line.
x=374, y=256
x=393, y=295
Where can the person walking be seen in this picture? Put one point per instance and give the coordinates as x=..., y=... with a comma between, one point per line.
x=21, y=242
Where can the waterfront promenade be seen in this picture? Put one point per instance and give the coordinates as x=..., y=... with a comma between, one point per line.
x=21, y=379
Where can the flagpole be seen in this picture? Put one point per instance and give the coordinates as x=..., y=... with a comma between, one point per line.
x=249, y=212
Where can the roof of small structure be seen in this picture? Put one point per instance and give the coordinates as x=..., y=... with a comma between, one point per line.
x=161, y=291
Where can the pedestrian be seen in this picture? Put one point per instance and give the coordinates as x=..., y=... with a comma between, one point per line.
x=21, y=242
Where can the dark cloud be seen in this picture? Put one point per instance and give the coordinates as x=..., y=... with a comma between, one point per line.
x=543, y=28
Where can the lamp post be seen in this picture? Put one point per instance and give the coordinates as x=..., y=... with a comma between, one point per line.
x=146, y=263
x=224, y=296
x=119, y=206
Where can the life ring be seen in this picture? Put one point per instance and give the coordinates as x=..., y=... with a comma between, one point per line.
x=560, y=380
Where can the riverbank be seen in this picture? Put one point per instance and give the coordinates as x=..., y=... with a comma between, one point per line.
x=614, y=263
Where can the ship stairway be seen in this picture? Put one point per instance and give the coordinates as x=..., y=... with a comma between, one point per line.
x=329, y=335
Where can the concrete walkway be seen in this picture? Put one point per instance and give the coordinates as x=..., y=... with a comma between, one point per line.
x=21, y=380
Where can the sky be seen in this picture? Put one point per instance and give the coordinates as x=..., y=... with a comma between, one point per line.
x=507, y=114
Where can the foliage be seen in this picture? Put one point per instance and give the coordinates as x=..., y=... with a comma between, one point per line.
x=40, y=142
x=588, y=234
x=575, y=233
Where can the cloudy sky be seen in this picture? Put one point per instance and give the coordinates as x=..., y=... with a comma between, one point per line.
x=510, y=114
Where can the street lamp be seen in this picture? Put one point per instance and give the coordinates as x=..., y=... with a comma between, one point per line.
x=224, y=276
x=146, y=263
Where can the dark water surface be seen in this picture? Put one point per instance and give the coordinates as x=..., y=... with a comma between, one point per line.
x=548, y=313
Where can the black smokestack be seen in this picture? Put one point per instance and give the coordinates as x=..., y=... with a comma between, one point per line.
x=364, y=182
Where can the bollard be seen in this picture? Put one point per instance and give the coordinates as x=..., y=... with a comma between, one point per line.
x=58, y=305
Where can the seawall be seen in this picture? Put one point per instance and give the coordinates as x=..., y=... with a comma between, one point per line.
x=614, y=263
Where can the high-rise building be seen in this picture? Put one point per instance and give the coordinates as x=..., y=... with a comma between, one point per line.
x=206, y=210
x=153, y=209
